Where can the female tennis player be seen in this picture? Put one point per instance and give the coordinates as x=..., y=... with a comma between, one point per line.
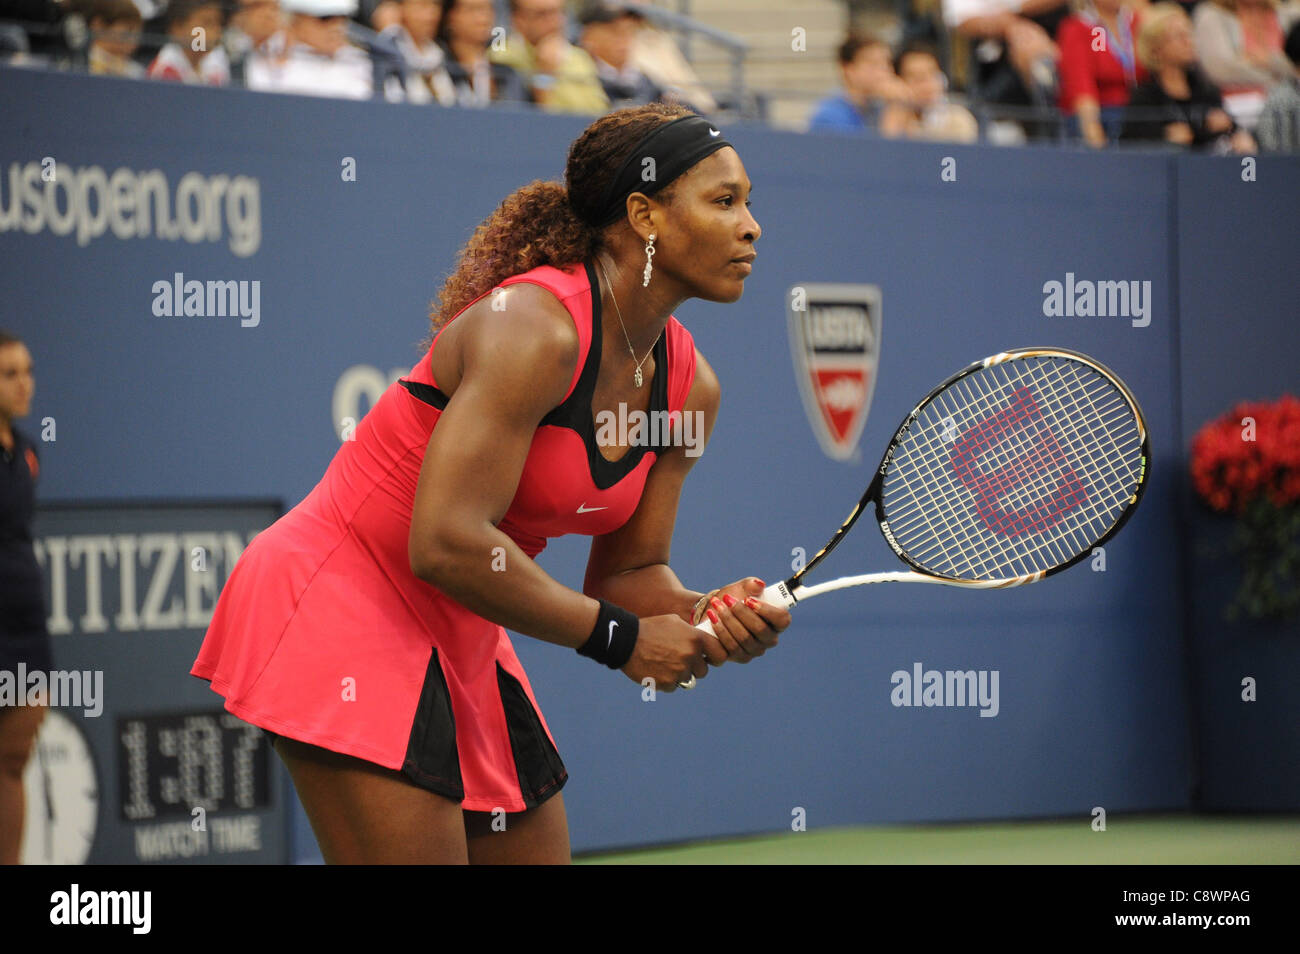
x=364, y=629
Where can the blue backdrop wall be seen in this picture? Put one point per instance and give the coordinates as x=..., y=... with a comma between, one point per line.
x=1100, y=671
x=1237, y=253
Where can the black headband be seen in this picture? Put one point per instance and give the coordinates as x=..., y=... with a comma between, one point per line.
x=674, y=147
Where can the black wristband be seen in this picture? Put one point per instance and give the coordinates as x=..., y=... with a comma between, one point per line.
x=613, y=636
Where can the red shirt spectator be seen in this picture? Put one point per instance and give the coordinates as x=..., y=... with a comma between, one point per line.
x=1097, y=56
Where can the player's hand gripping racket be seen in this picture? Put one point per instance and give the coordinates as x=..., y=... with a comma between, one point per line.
x=1011, y=470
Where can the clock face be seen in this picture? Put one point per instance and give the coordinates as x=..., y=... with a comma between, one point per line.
x=62, y=795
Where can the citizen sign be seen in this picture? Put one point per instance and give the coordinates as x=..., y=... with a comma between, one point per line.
x=835, y=344
x=130, y=582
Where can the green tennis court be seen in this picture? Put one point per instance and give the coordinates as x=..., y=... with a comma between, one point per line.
x=1147, y=839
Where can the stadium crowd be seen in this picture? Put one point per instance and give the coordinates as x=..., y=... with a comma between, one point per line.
x=1216, y=75
x=444, y=52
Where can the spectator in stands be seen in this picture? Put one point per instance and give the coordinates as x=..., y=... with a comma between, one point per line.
x=35, y=34
x=1239, y=43
x=1015, y=56
x=1177, y=105
x=193, y=54
x=153, y=37
x=365, y=29
x=114, y=35
x=1279, y=123
x=424, y=77
x=465, y=34
x=867, y=72
x=319, y=60
x=561, y=77
x=256, y=33
x=14, y=46
x=385, y=14
x=927, y=114
x=657, y=55
x=1099, y=68
x=609, y=31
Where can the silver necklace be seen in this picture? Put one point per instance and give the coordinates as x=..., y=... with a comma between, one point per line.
x=636, y=376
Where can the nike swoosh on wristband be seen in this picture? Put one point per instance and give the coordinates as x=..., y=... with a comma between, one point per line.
x=610, y=641
x=583, y=508
x=715, y=132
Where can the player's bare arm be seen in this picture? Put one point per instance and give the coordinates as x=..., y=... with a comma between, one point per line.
x=515, y=360
x=630, y=566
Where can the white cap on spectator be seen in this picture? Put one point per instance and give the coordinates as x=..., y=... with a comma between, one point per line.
x=150, y=8
x=320, y=8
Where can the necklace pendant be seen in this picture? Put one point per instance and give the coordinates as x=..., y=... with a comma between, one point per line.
x=637, y=377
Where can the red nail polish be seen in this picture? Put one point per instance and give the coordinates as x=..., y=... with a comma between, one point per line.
x=713, y=617
x=751, y=602
x=715, y=602
x=760, y=582
x=729, y=599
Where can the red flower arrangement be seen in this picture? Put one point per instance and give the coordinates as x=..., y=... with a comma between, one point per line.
x=1247, y=463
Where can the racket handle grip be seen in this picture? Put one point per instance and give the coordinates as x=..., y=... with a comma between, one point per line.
x=778, y=594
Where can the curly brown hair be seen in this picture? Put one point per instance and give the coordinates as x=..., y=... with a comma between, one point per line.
x=545, y=223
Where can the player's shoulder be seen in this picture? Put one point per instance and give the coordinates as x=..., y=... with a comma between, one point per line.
x=706, y=391
x=527, y=318
x=524, y=336
x=679, y=330
x=552, y=295
x=566, y=283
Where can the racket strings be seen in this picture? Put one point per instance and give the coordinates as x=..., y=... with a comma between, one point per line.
x=1018, y=444
x=1022, y=478
x=983, y=404
x=1013, y=469
x=1092, y=437
x=1021, y=444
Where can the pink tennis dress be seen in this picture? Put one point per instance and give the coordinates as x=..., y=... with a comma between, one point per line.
x=323, y=634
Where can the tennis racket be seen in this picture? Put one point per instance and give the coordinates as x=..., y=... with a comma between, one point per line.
x=1013, y=469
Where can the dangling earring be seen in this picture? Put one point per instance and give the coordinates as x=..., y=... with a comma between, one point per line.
x=649, y=253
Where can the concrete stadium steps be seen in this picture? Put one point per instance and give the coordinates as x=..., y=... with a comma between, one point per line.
x=793, y=81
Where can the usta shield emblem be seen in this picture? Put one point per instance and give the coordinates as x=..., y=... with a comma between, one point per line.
x=835, y=343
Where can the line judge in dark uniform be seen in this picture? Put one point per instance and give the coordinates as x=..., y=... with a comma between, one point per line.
x=23, y=636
